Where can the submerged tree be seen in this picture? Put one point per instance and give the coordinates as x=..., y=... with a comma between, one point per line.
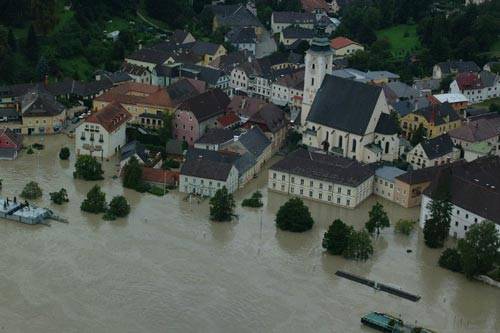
x=222, y=205
x=294, y=216
x=118, y=207
x=95, y=201
x=64, y=153
x=88, y=168
x=31, y=191
x=359, y=246
x=59, y=197
x=335, y=239
x=436, y=228
x=378, y=219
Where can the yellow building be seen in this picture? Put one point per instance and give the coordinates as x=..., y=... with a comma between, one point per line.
x=436, y=120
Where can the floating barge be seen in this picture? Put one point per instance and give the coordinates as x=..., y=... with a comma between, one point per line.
x=379, y=286
x=386, y=323
x=25, y=212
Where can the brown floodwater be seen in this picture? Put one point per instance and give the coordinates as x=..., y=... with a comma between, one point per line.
x=167, y=268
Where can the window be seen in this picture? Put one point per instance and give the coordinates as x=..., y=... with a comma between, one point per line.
x=348, y=192
x=354, y=142
x=274, y=175
x=311, y=183
x=339, y=190
x=283, y=177
x=348, y=202
x=338, y=201
x=292, y=189
x=456, y=223
x=329, y=198
x=320, y=196
x=321, y=186
x=311, y=193
x=301, y=191
x=292, y=180
x=465, y=227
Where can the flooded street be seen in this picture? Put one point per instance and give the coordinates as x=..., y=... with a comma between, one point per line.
x=167, y=268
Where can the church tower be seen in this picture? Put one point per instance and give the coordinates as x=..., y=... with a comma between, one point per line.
x=318, y=63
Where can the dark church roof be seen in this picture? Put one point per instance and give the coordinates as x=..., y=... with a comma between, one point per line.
x=344, y=104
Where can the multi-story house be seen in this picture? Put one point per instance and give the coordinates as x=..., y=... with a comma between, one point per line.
x=204, y=175
x=343, y=46
x=385, y=182
x=102, y=134
x=273, y=122
x=477, y=87
x=482, y=132
x=452, y=68
x=194, y=116
x=288, y=90
x=433, y=152
x=283, y=20
x=474, y=194
x=294, y=34
x=41, y=113
x=10, y=144
x=436, y=120
x=322, y=177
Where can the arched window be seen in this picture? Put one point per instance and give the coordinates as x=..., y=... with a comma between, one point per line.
x=354, y=145
x=340, y=141
x=387, y=147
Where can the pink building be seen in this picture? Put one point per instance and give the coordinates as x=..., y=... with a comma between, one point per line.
x=194, y=116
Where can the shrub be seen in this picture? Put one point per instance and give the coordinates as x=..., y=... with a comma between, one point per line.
x=29, y=151
x=359, y=246
x=38, y=146
x=450, y=259
x=404, y=227
x=31, y=191
x=88, y=168
x=64, y=153
x=59, y=197
x=294, y=216
x=254, y=201
x=171, y=164
x=119, y=206
x=155, y=190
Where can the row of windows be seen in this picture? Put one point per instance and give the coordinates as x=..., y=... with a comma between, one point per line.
x=311, y=184
x=311, y=195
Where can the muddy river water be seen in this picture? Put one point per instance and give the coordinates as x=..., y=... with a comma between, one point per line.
x=167, y=268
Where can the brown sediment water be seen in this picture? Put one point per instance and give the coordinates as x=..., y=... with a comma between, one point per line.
x=167, y=268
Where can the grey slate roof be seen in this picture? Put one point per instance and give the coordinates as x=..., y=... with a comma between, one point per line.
x=389, y=173
x=293, y=32
x=206, y=105
x=439, y=114
x=242, y=35
x=293, y=17
x=329, y=168
x=386, y=125
x=351, y=108
x=402, y=90
x=438, y=146
x=217, y=136
x=474, y=186
x=460, y=66
x=255, y=141
x=209, y=164
x=132, y=148
x=38, y=103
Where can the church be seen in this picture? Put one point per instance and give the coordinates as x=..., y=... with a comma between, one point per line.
x=341, y=116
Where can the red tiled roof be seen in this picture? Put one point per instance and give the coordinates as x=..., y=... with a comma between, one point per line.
x=11, y=136
x=311, y=5
x=160, y=176
x=340, y=42
x=137, y=93
x=468, y=81
x=228, y=119
x=111, y=117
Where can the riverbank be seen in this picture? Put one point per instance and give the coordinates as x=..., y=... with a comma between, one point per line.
x=168, y=268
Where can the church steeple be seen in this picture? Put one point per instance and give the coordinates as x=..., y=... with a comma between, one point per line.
x=318, y=63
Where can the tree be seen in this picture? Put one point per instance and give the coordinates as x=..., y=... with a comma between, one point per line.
x=479, y=249
x=418, y=135
x=222, y=205
x=88, y=168
x=444, y=85
x=335, y=239
x=44, y=14
x=436, y=228
x=132, y=174
x=118, y=207
x=165, y=132
x=404, y=227
x=42, y=68
x=254, y=201
x=450, y=259
x=59, y=197
x=378, y=219
x=64, y=153
x=359, y=246
x=31, y=191
x=494, y=107
x=12, y=41
x=95, y=201
x=294, y=216
x=32, y=47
